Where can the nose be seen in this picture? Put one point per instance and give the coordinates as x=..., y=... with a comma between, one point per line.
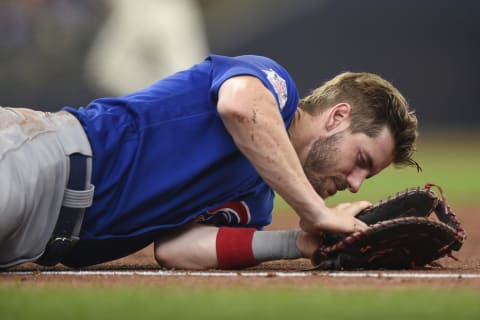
x=356, y=178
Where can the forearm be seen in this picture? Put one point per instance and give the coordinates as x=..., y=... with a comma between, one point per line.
x=197, y=246
x=268, y=149
x=192, y=246
x=259, y=132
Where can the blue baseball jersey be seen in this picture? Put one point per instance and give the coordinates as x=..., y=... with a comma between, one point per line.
x=162, y=157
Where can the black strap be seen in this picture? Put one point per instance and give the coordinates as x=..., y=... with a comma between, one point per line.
x=62, y=239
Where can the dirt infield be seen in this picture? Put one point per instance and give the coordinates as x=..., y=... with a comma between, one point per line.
x=277, y=273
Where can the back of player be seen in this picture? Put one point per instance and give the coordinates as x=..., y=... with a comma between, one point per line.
x=162, y=158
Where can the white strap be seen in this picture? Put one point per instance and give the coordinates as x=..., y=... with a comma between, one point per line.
x=78, y=198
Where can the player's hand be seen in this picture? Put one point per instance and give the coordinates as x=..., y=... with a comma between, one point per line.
x=338, y=219
x=307, y=243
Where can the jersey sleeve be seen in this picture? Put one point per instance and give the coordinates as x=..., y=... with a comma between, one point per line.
x=275, y=78
x=252, y=210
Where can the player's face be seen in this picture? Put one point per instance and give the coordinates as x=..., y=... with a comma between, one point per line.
x=344, y=160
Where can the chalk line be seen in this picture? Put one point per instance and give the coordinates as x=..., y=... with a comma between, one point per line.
x=167, y=273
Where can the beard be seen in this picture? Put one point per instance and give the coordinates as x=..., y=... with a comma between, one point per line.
x=322, y=158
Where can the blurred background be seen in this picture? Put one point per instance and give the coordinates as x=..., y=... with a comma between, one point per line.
x=67, y=52
x=55, y=53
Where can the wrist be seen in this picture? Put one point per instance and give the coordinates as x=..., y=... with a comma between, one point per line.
x=313, y=219
x=277, y=244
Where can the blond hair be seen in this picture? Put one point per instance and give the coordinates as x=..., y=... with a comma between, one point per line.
x=375, y=103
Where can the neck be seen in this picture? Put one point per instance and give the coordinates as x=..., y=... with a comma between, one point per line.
x=299, y=132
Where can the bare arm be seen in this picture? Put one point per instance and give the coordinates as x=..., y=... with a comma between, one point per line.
x=193, y=246
x=250, y=114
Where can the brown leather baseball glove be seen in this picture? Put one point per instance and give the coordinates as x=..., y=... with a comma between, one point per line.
x=402, y=234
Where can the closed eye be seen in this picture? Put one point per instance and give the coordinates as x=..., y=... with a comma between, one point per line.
x=361, y=162
x=364, y=161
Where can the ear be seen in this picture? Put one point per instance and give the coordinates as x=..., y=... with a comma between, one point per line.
x=338, y=117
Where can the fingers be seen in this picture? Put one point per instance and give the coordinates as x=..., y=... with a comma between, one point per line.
x=352, y=208
x=359, y=225
x=343, y=218
x=339, y=219
x=359, y=206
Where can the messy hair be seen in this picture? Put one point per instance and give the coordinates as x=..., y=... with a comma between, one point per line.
x=375, y=103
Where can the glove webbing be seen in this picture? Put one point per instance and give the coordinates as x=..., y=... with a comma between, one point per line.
x=445, y=214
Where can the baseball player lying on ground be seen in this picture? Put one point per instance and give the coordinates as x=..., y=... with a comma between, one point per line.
x=192, y=162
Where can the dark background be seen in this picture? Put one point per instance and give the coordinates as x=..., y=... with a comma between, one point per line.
x=429, y=49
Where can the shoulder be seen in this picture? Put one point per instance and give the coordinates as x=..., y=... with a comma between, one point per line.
x=273, y=76
x=262, y=63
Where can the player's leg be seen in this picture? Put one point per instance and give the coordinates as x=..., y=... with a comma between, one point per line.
x=33, y=170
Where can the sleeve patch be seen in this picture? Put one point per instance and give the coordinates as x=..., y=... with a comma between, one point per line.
x=279, y=85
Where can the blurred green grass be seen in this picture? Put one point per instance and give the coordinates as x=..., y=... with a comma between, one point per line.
x=450, y=160
x=138, y=303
